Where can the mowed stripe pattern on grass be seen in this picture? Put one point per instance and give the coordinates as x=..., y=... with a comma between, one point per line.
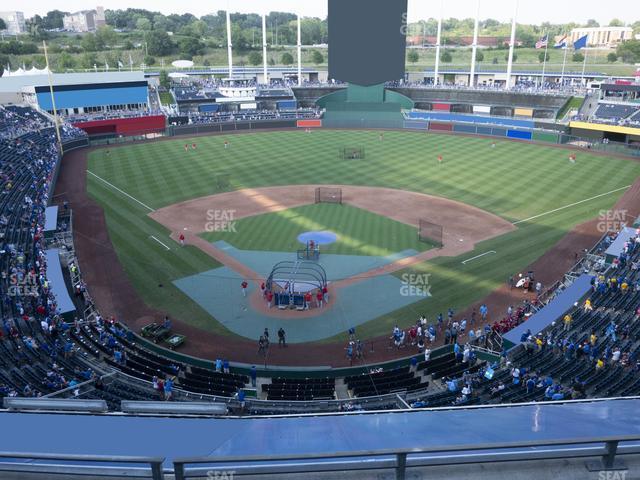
x=515, y=180
x=359, y=232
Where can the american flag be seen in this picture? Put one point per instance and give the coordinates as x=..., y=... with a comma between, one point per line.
x=543, y=42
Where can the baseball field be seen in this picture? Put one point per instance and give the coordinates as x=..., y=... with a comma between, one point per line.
x=527, y=196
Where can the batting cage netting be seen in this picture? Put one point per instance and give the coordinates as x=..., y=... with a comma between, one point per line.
x=351, y=153
x=223, y=181
x=328, y=195
x=430, y=232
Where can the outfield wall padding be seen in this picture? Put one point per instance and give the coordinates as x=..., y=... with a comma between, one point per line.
x=522, y=134
x=309, y=123
x=484, y=130
x=441, y=127
x=545, y=137
x=416, y=124
x=499, y=132
x=441, y=107
x=464, y=128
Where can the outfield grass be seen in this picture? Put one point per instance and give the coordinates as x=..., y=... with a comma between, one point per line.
x=515, y=180
x=359, y=232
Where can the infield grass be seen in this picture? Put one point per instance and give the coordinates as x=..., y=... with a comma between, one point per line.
x=515, y=180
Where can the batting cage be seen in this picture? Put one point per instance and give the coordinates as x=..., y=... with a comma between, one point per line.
x=328, y=195
x=351, y=153
x=290, y=281
x=430, y=232
x=223, y=181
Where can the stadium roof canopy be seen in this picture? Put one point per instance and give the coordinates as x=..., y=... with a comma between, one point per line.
x=614, y=87
x=14, y=84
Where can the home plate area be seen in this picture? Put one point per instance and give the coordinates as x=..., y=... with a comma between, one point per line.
x=218, y=292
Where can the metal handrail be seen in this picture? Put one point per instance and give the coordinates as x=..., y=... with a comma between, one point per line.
x=608, y=453
x=155, y=463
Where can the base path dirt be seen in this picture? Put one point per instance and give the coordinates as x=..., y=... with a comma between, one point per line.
x=114, y=294
x=463, y=225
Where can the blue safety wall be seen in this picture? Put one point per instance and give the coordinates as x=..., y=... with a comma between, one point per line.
x=93, y=97
x=209, y=107
x=523, y=134
x=460, y=117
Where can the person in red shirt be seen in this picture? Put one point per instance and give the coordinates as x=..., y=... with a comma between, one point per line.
x=244, y=286
x=269, y=298
x=193, y=146
x=325, y=293
x=307, y=300
x=439, y=159
x=263, y=288
x=182, y=239
x=319, y=297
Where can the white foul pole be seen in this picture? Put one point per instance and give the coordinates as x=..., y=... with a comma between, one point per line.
x=299, y=53
x=438, y=36
x=229, y=52
x=544, y=60
x=564, y=61
x=512, y=44
x=264, y=48
x=474, y=47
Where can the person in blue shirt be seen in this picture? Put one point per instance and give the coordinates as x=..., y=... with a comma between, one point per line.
x=254, y=374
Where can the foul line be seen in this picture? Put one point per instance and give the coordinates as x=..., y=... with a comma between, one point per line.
x=121, y=191
x=464, y=262
x=159, y=242
x=571, y=205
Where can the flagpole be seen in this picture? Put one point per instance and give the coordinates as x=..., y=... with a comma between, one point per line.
x=264, y=48
x=474, y=47
x=564, y=62
x=512, y=45
x=229, y=46
x=438, y=35
x=544, y=63
x=584, y=65
x=53, y=100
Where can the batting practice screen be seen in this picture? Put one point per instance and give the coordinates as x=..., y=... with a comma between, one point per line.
x=352, y=153
x=328, y=195
x=430, y=232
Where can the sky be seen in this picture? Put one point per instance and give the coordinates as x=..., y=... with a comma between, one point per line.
x=529, y=11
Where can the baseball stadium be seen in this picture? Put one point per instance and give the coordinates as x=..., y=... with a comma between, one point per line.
x=244, y=280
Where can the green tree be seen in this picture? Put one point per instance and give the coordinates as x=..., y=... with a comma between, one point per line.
x=577, y=57
x=612, y=57
x=3, y=26
x=616, y=22
x=158, y=43
x=255, y=58
x=629, y=51
x=149, y=60
x=543, y=56
x=53, y=19
x=66, y=61
x=591, y=23
x=90, y=43
x=479, y=56
x=89, y=59
x=446, y=57
x=106, y=36
x=317, y=57
x=190, y=46
x=164, y=79
x=495, y=61
x=143, y=24
x=286, y=59
x=412, y=56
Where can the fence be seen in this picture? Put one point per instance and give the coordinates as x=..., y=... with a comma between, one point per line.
x=430, y=232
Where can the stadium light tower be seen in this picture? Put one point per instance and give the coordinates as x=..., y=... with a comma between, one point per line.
x=299, y=53
x=264, y=48
x=229, y=52
x=474, y=47
x=512, y=43
x=438, y=36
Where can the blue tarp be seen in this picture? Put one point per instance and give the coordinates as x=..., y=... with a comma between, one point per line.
x=56, y=282
x=551, y=312
x=615, y=249
x=51, y=219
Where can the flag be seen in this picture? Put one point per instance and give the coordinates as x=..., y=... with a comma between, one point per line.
x=543, y=42
x=120, y=65
x=580, y=43
x=561, y=43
